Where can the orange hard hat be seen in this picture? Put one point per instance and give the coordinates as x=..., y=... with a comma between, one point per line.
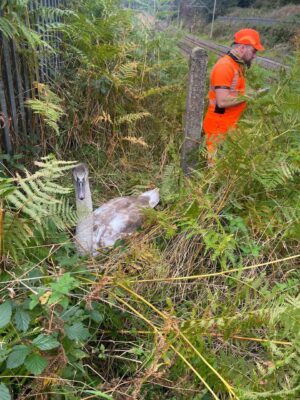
x=248, y=36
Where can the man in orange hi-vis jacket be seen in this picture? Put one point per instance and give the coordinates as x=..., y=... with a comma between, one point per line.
x=227, y=87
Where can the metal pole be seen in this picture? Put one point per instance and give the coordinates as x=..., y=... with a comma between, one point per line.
x=213, y=19
x=3, y=105
x=6, y=133
x=19, y=86
x=10, y=83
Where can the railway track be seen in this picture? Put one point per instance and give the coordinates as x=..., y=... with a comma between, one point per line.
x=253, y=20
x=189, y=42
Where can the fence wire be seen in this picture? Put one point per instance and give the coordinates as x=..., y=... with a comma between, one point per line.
x=19, y=70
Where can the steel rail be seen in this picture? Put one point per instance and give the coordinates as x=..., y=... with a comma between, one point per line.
x=190, y=41
x=255, y=20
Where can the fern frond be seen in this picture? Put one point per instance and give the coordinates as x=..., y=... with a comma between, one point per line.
x=169, y=189
x=54, y=13
x=47, y=106
x=128, y=70
x=7, y=28
x=159, y=90
x=140, y=141
x=277, y=173
x=52, y=168
x=13, y=26
x=132, y=118
x=32, y=201
x=62, y=214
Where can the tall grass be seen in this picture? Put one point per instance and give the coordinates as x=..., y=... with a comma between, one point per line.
x=203, y=303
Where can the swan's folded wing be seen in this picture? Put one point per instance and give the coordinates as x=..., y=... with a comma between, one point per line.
x=119, y=218
x=109, y=227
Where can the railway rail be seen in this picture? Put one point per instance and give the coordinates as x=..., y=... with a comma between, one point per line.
x=254, y=20
x=189, y=41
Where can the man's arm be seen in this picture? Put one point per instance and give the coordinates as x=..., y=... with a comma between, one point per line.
x=225, y=99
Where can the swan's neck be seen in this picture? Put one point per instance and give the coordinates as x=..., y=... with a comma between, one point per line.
x=84, y=229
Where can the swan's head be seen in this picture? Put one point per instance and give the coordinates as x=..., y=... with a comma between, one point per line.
x=80, y=175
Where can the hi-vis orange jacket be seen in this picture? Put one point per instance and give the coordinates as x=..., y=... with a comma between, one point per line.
x=227, y=73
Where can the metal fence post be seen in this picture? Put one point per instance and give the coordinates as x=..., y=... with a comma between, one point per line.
x=194, y=108
x=10, y=84
x=6, y=133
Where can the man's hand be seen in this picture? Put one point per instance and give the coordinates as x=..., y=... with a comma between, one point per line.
x=253, y=94
x=262, y=91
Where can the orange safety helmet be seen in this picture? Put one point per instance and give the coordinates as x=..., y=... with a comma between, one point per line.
x=248, y=36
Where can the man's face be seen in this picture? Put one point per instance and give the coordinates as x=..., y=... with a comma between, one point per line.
x=248, y=54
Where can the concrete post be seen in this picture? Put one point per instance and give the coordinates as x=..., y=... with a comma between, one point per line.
x=194, y=108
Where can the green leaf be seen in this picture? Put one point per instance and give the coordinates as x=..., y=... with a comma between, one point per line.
x=4, y=351
x=5, y=313
x=138, y=351
x=207, y=396
x=78, y=354
x=193, y=210
x=62, y=288
x=98, y=393
x=4, y=392
x=97, y=316
x=45, y=342
x=64, y=284
x=22, y=320
x=36, y=364
x=17, y=356
x=77, y=331
x=67, y=261
x=34, y=301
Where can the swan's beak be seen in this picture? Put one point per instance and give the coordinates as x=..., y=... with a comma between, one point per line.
x=80, y=189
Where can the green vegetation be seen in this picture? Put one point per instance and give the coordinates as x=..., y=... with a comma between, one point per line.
x=203, y=302
x=280, y=38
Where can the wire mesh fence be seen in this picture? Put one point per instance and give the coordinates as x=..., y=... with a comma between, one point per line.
x=21, y=66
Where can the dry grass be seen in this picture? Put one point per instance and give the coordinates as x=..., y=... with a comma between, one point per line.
x=286, y=11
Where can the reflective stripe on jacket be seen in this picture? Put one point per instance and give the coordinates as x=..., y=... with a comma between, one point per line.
x=227, y=73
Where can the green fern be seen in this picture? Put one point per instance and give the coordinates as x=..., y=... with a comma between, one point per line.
x=30, y=202
x=47, y=106
x=14, y=24
x=131, y=119
x=170, y=184
x=286, y=364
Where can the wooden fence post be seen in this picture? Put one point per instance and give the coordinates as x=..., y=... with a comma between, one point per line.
x=194, y=108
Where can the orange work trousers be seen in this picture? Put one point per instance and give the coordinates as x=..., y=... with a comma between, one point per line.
x=216, y=128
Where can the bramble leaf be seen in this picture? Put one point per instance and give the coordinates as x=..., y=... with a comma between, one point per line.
x=97, y=316
x=4, y=351
x=64, y=284
x=5, y=313
x=17, y=356
x=4, y=392
x=22, y=320
x=36, y=364
x=77, y=331
x=45, y=342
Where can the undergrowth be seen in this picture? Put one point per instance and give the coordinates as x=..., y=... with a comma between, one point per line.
x=203, y=302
